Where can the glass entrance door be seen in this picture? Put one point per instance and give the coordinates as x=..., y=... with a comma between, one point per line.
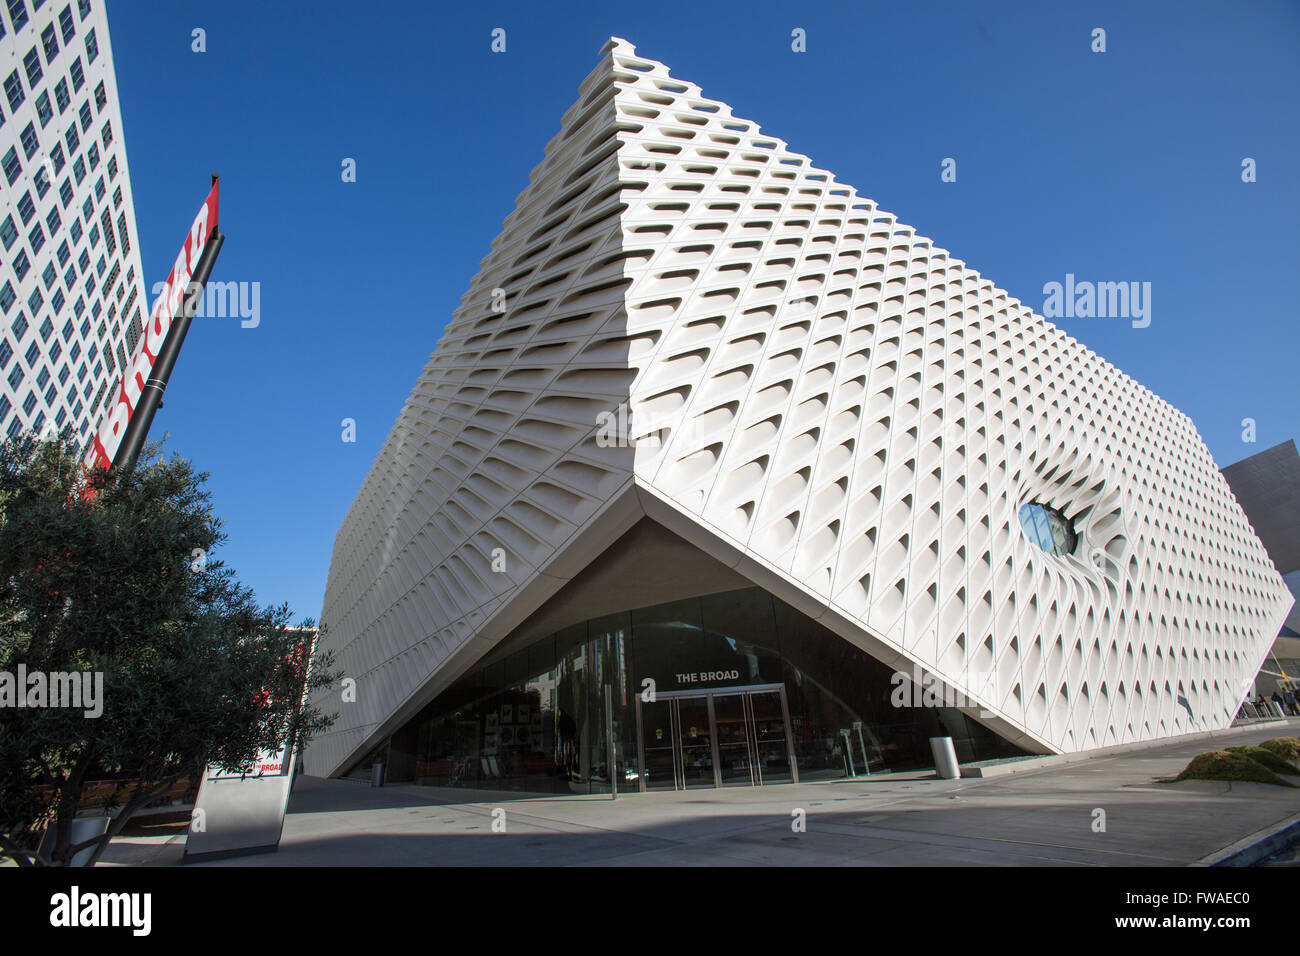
x=695, y=734
x=658, y=721
x=736, y=763
x=773, y=742
x=677, y=735
x=734, y=736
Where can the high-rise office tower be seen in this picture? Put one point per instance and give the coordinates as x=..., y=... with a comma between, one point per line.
x=72, y=293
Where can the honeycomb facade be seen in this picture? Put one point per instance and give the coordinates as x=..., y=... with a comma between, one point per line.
x=703, y=329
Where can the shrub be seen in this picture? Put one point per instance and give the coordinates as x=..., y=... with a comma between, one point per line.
x=1268, y=758
x=1222, y=765
x=1288, y=748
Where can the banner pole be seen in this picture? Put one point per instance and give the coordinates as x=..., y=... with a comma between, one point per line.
x=137, y=429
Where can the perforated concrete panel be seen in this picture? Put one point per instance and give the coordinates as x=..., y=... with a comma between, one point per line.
x=701, y=326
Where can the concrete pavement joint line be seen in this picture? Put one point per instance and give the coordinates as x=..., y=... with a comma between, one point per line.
x=864, y=855
x=975, y=848
x=919, y=836
x=739, y=828
x=762, y=811
x=476, y=811
x=763, y=822
x=711, y=854
x=586, y=827
x=709, y=850
x=373, y=827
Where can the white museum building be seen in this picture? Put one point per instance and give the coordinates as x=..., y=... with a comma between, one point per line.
x=721, y=475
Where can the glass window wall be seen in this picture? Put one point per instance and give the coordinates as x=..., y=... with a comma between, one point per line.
x=732, y=689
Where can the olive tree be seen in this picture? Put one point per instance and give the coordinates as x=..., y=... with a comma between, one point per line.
x=108, y=581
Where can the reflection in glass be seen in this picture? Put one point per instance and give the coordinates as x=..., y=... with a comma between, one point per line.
x=735, y=746
x=772, y=754
x=696, y=736
x=659, y=739
x=757, y=693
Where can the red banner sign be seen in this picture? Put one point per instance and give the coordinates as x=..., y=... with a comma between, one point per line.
x=122, y=404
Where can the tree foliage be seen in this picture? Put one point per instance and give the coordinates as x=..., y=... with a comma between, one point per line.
x=112, y=573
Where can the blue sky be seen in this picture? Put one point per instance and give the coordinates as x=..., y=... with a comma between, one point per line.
x=1115, y=166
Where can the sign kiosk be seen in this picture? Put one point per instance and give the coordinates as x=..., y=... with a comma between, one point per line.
x=242, y=812
x=238, y=814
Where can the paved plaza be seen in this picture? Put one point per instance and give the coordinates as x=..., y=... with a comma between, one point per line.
x=1046, y=816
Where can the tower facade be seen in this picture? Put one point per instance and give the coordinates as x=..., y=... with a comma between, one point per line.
x=695, y=367
x=72, y=293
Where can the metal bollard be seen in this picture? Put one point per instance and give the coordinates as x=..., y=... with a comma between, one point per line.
x=377, y=775
x=945, y=758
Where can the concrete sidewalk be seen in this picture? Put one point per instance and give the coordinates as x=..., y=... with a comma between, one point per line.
x=1040, y=817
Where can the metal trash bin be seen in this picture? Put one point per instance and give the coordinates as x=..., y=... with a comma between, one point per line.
x=945, y=758
x=377, y=775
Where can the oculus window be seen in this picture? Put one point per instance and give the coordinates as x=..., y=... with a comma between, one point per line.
x=1048, y=528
